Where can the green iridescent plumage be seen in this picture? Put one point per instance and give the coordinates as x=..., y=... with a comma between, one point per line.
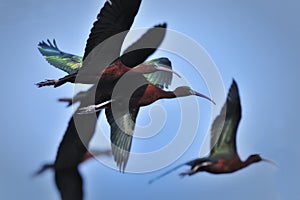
x=71, y=63
x=59, y=59
x=160, y=78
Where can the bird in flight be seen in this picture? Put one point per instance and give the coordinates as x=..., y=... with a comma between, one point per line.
x=223, y=157
x=122, y=111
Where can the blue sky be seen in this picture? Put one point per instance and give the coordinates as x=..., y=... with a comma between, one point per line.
x=256, y=42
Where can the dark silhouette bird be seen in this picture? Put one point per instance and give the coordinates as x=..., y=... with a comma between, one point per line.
x=71, y=152
x=223, y=157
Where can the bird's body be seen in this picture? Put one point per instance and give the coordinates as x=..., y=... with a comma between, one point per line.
x=220, y=164
x=223, y=157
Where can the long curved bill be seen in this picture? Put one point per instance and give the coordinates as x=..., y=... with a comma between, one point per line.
x=203, y=96
x=271, y=162
x=158, y=68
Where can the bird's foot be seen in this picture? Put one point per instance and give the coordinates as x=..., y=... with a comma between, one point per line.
x=46, y=83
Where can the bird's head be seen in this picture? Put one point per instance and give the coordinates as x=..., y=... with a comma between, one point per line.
x=257, y=158
x=159, y=64
x=187, y=91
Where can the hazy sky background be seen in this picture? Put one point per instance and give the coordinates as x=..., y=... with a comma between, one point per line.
x=256, y=42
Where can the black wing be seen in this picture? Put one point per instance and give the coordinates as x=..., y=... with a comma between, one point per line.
x=70, y=153
x=138, y=52
x=69, y=183
x=113, y=19
x=224, y=128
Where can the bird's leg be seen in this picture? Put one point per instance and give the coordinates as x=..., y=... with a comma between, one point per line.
x=94, y=108
x=46, y=83
x=109, y=1
x=68, y=100
x=43, y=168
x=188, y=173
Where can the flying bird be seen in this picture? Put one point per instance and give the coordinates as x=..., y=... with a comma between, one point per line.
x=223, y=157
x=122, y=110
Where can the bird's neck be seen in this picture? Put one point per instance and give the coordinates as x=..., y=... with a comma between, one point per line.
x=154, y=93
x=247, y=162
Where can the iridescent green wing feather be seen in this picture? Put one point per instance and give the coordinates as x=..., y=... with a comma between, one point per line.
x=59, y=59
x=224, y=128
x=121, y=131
x=160, y=79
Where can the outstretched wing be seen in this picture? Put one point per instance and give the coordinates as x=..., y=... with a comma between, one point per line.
x=121, y=131
x=69, y=183
x=160, y=79
x=227, y=123
x=122, y=114
x=59, y=59
x=71, y=151
x=113, y=18
x=139, y=51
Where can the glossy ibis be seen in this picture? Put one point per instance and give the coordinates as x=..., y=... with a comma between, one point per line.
x=122, y=110
x=223, y=157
